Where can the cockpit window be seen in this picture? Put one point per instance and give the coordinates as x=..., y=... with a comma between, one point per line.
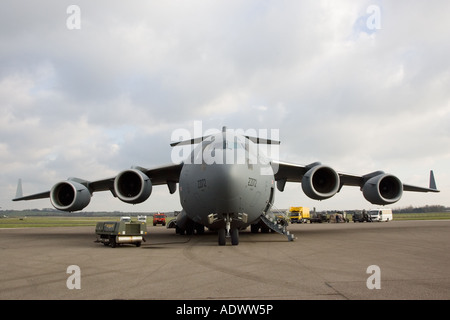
x=226, y=149
x=226, y=145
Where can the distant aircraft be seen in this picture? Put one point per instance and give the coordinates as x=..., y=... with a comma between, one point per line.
x=225, y=184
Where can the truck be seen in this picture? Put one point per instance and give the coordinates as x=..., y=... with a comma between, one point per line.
x=159, y=218
x=361, y=217
x=338, y=216
x=319, y=217
x=114, y=233
x=142, y=218
x=299, y=214
x=381, y=214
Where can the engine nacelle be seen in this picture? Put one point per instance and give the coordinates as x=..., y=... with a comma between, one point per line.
x=320, y=182
x=383, y=189
x=69, y=196
x=132, y=186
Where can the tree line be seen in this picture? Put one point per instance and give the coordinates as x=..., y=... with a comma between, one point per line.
x=424, y=209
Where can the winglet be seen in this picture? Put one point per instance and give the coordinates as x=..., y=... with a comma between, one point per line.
x=19, y=192
x=432, y=181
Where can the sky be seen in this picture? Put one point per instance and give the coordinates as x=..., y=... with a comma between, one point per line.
x=92, y=89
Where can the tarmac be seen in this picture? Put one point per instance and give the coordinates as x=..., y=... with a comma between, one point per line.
x=346, y=261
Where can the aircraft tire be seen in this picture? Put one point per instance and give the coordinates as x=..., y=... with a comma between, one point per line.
x=234, y=236
x=179, y=231
x=222, y=240
x=265, y=229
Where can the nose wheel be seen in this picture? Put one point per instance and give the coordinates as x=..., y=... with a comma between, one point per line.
x=226, y=232
x=234, y=234
x=222, y=238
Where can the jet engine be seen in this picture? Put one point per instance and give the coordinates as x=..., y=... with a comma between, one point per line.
x=383, y=189
x=69, y=196
x=320, y=182
x=132, y=186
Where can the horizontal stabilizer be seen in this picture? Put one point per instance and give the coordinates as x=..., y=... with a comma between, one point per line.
x=188, y=142
x=262, y=140
x=256, y=140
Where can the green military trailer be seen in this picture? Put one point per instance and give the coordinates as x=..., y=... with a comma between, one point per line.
x=113, y=233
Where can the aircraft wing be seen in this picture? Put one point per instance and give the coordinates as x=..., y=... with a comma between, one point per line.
x=167, y=174
x=36, y=196
x=290, y=172
x=158, y=176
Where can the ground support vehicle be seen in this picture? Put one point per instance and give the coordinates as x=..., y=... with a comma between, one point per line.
x=159, y=218
x=299, y=214
x=113, y=233
x=319, y=217
x=142, y=218
x=381, y=214
x=337, y=217
x=361, y=217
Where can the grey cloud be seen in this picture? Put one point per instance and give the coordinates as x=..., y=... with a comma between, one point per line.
x=97, y=100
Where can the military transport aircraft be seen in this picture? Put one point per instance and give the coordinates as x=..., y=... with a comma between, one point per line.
x=226, y=184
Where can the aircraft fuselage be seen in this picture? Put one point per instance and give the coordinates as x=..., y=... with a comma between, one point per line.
x=226, y=178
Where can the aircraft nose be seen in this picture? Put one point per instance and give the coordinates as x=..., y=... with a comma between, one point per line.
x=226, y=184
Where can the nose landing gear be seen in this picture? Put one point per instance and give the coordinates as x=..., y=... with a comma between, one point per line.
x=228, y=232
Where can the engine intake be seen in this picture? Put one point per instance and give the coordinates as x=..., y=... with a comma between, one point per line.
x=320, y=182
x=132, y=186
x=383, y=189
x=69, y=196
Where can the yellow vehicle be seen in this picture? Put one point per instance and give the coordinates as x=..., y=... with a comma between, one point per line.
x=299, y=214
